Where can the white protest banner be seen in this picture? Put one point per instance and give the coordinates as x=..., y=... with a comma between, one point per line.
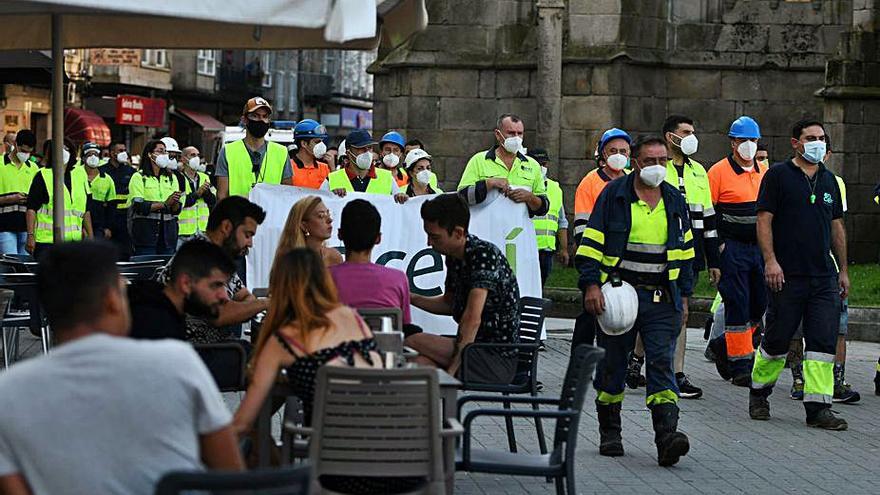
x=404, y=243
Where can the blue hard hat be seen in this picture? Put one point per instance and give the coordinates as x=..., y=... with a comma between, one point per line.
x=613, y=133
x=744, y=127
x=393, y=137
x=308, y=129
x=359, y=138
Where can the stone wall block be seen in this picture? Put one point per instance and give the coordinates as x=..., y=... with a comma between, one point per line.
x=713, y=146
x=594, y=7
x=795, y=38
x=869, y=168
x=589, y=112
x=444, y=82
x=576, y=79
x=424, y=112
x=743, y=38
x=594, y=30
x=741, y=85
x=397, y=110
x=690, y=37
x=693, y=83
x=525, y=108
x=512, y=84
x=708, y=115
x=573, y=145
x=467, y=113
x=604, y=80
x=487, y=83
x=571, y=172
x=643, y=115
x=643, y=81
x=870, y=111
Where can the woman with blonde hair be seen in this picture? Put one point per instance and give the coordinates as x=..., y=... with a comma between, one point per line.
x=306, y=327
x=309, y=224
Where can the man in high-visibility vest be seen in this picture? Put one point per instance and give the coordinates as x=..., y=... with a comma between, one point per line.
x=551, y=229
x=120, y=170
x=309, y=166
x=244, y=163
x=506, y=168
x=200, y=197
x=734, y=182
x=612, y=157
x=640, y=233
x=361, y=173
x=16, y=174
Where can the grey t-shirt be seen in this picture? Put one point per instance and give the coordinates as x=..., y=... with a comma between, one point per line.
x=222, y=167
x=106, y=415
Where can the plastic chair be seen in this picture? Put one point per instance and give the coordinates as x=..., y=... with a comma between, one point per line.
x=284, y=481
x=6, y=296
x=140, y=270
x=151, y=257
x=377, y=423
x=558, y=464
x=226, y=361
x=531, y=316
x=373, y=318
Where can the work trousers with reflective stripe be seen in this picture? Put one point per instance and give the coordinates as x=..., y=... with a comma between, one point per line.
x=659, y=324
x=816, y=302
x=744, y=292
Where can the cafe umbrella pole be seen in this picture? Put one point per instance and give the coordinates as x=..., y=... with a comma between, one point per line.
x=57, y=131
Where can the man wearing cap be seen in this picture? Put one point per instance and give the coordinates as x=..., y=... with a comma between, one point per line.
x=552, y=226
x=418, y=167
x=506, y=169
x=308, y=172
x=360, y=173
x=100, y=203
x=612, y=157
x=119, y=169
x=244, y=163
x=734, y=183
x=16, y=174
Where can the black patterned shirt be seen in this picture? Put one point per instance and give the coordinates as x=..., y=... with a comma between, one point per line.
x=485, y=267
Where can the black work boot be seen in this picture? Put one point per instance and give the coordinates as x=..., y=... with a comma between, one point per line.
x=719, y=349
x=759, y=407
x=671, y=444
x=610, y=443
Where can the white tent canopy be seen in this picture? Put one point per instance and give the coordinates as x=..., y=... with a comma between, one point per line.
x=175, y=24
x=220, y=24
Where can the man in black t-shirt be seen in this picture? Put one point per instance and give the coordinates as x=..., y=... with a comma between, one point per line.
x=481, y=294
x=800, y=219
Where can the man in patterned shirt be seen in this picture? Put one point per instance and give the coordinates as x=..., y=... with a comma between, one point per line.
x=232, y=225
x=481, y=294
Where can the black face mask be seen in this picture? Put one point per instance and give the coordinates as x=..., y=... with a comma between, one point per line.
x=192, y=305
x=257, y=128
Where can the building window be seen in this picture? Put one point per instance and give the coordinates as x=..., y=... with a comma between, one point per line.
x=266, y=68
x=207, y=63
x=154, y=58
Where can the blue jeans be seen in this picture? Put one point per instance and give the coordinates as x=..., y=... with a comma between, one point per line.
x=13, y=242
x=545, y=259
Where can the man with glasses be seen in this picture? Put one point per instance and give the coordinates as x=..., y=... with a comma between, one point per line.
x=244, y=163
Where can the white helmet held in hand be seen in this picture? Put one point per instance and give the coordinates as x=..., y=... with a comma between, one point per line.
x=621, y=308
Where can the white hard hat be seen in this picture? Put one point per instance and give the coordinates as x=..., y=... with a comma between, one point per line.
x=621, y=308
x=342, y=148
x=170, y=144
x=415, y=155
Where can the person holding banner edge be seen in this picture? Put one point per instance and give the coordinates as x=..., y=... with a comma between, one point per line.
x=361, y=174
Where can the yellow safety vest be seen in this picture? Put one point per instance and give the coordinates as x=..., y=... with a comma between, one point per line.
x=241, y=170
x=102, y=187
x=381, y=184
x=153, y=190
x=194, y=218
x=74, y=208
x=547, y=225
x=16, y=180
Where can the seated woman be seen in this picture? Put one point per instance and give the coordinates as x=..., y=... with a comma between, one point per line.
x=307, y=328
x=421, y=180
x=309, y=224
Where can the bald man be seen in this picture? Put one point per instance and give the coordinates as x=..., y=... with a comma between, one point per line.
x=200, y=198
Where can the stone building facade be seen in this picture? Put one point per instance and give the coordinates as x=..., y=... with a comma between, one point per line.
x=574, y=68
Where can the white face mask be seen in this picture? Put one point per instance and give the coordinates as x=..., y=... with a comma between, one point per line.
x=319, y=150
x=122, y=157
x=364, y=161
x=196, y=164
x=22, y=157
x=689, y=144
x=93, y=161
x=165, y=161
x=653, y=175
x=513, y=144
x=391, y=160
x=617, y=161
x=747, y=149
x=424, y=177
x=65, y=156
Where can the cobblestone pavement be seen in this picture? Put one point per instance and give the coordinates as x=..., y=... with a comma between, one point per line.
x=729, y=452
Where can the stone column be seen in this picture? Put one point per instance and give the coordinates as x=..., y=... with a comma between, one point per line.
x=549, y=87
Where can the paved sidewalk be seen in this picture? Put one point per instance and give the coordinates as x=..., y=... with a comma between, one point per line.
x=729, y=452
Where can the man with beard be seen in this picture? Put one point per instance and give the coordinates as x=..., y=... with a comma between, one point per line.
x=232, y=225
x=196, y=281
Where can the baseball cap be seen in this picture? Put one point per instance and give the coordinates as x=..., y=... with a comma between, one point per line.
x=254, y=103
x=90, y=147
x=359, y=138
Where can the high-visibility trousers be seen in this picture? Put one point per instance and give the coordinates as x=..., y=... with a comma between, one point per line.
x=816, y=302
